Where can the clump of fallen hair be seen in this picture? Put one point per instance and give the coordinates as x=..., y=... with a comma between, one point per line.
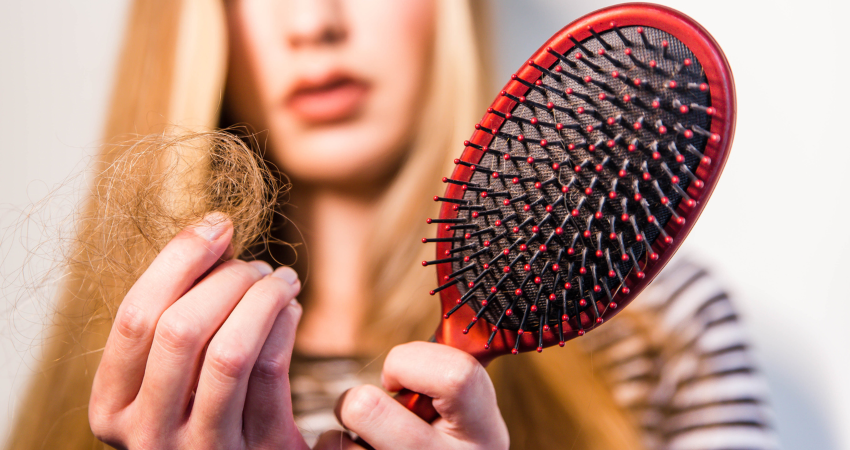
x=149, y=188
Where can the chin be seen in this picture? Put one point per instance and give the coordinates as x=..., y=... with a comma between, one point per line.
x=340, y=153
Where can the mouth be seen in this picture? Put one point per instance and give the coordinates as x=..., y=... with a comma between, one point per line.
x=329, y=99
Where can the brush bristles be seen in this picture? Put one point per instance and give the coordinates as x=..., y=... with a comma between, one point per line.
x=579, y=182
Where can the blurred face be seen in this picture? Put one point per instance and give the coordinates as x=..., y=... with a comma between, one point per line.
x=337, y=83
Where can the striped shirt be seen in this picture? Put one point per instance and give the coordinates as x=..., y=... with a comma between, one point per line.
x=683, y=366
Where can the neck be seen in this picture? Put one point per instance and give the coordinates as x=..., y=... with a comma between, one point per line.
x=336, y=225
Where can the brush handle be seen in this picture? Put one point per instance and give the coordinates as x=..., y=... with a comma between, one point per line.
x=420, y=404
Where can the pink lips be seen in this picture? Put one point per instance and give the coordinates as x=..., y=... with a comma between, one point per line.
x=328, y=99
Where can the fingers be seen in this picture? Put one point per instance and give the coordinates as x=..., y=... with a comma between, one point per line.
x=232, y=356
x=183, y=260
x=182, y=333
x=462, y=391
x=267, y=417
x=383, y=422
x=336, y=440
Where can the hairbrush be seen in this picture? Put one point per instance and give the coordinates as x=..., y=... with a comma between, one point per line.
x=581, y=181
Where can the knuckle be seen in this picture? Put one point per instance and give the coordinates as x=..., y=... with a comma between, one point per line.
x=228, y=361
x=101, y=424
x=177, y=332
x=463, y=371
x=362, y=405
x=272, y=291
x=131, y=323
x=270, y=370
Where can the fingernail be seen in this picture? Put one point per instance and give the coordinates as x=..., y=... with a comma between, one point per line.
x=262, y=266
x=286, y=274
x=212, y=227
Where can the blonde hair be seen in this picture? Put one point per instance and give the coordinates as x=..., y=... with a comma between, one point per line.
x=170, y=77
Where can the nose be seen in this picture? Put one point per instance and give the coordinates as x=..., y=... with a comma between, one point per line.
x=314, y=23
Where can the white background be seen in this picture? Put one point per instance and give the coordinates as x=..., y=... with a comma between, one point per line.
x=775, y=229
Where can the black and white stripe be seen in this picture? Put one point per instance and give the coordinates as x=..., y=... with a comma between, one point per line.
x=681, y=363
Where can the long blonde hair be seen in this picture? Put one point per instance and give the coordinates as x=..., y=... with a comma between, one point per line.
x=169, y=82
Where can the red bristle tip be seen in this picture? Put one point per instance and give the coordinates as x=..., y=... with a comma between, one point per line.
x=599, y=320
x=424, y=240
x=498, y=223
x=523, y=247
x=555, y=267
x=514, y=351
x=582, y=303
x=561, y=343
x=428, y=221
x=486, y=346
x=625, y=257
x=552, y=297
x=527, y=268
x=586, y=234
x=612, y=305
x=653, y=256
x=568, y=285
x=540, y=349
x=597, y=288
x=626, y=290
x=672, y=84
x=599, y=253
x=509, y=313
x=559, y=231
x=526, y=208
x=520, y=332
x=687, y=62
x=537, y=280
x=445, y=316
x=465, y=331
x=581, y=332
x=506, y=269
x=474, y=214
x=431, y=292
x=515, y=180
x=711, y=111
x=612, y=274
x=715, y=137
x=641, y=275
x=583, y=270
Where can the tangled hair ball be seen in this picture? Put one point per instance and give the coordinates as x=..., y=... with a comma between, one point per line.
x=151, y=187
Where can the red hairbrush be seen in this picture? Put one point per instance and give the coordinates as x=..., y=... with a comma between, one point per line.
x=580, y=182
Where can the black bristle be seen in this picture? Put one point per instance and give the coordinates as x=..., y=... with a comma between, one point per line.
x=578, y=182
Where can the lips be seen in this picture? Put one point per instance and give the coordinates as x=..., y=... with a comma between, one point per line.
x=328, y=99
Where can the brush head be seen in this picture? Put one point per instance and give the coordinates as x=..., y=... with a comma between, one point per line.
x=582, y=179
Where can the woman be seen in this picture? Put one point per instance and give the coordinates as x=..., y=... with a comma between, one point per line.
x=364, y=104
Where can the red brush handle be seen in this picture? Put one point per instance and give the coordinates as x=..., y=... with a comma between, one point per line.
x=420, y=404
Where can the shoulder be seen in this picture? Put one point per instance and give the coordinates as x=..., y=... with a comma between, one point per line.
x=680, y=360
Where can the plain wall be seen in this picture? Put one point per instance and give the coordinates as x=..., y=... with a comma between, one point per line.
x=774, y=230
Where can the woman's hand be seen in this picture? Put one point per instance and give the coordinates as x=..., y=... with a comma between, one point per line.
x=463, y=395
x=197, y=360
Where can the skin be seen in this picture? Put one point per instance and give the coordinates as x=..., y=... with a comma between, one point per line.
x=202, y=361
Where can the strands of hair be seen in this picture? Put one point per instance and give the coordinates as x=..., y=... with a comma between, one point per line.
x=149, y=188
x=578, y=183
